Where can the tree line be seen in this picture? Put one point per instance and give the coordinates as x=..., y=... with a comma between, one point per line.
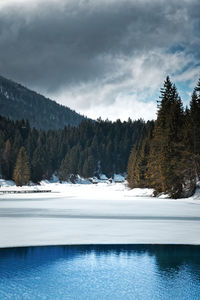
x=90, y=149
x=163, y=155
x=167, y=155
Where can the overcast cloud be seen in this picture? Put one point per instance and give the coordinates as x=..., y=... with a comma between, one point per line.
x=101, y=58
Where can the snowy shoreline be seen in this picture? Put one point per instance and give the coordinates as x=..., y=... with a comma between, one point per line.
x=90, y=214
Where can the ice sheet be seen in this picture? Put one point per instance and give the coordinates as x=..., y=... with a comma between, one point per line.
x=96, y=214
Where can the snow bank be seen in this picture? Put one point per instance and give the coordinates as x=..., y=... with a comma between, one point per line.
x=140, y=192
x=118, y=178
x=6, y=183
x=196, y=196
x=103, y=177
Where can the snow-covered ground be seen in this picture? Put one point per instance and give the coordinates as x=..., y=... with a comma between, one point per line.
x=96, y=214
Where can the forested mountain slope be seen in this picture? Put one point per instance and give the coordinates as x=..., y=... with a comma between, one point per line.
x=18, y=102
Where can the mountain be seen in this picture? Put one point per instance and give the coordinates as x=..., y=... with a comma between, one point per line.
x=17, y=102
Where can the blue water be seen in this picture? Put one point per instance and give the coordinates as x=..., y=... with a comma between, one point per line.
x=100, y=272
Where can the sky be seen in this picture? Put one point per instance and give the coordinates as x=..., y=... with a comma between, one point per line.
x=102, y=58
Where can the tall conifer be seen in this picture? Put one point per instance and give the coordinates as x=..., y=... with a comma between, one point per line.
x=195, y=129
x=166, y=145
x=21, y=174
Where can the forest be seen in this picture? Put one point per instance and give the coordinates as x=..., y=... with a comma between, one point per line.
x=167, y=155
x=163, y=154
x=88, y=150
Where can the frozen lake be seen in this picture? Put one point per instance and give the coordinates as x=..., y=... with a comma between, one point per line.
x=101, y=272
x=97, y=214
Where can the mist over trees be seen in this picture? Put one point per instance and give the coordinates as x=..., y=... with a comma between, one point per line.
x=167, y=156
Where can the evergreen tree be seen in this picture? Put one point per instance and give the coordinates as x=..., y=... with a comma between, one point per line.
x=195, y=129
x=191, y=162
x=39, y=164
x=69, y=165
x=131, y=167
x=88, y=167
x=1, y=151
x=166, y=154
x=137, y=171
x=21, y=174
x=7, y=160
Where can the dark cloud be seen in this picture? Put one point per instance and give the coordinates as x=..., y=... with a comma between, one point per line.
x=56, y=45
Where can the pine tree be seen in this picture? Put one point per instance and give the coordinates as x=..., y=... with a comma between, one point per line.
x=195, y=129
x=7, y=161
x=131, y=168
x=69, y=165
x=39, y=164
x=166, y=150
x=21, y=173
x=1, y=151
x=137, y=171
x=88, y=167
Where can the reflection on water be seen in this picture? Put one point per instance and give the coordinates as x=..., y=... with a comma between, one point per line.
x=100, y=272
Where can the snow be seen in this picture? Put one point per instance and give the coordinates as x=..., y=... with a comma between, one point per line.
x=118, y=178
x=103, y=177
x=95, y=214
x=6, y=183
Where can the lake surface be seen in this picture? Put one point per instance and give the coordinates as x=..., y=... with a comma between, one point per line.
x=101, y=272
